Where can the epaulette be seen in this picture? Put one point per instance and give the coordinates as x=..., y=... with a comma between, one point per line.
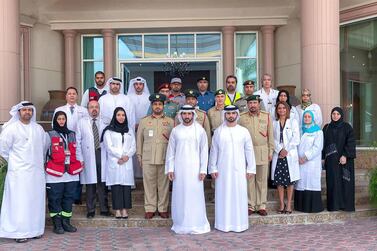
x=201, y=111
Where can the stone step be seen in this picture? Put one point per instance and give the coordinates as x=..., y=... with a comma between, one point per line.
x=271, y=218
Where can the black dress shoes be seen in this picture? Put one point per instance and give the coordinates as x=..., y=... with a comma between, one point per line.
x=90, y=215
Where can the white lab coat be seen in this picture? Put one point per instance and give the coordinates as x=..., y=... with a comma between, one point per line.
x=116, y=174
x=24, y=202
x=232, y=156
x=269, y=100
x=310, y=172
x=316, y=111
x=72, y=119
x=85, y=149
x=187, y=157
x=291, y=138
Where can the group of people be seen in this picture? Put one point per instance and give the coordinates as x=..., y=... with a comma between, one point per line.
x=173, y=136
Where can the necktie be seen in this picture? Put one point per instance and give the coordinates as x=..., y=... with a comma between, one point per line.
x=95, y=134
x=72, y=108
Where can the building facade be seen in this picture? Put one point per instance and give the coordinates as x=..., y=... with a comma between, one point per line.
x=327, y=46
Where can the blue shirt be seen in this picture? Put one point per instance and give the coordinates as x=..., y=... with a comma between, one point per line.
x=206, y=101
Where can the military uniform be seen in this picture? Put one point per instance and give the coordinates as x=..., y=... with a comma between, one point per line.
x=242, y=104
x=152, y=141
x=261, y=131
x=170, y=109
x=214, y=117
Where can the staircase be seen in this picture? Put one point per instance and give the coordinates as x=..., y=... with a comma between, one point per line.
x=136, y=214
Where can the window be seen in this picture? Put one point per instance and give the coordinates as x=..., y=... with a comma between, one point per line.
x=358, y=66
x=246, y=57
x=92, y=59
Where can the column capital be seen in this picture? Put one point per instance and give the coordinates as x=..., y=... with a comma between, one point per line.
x=108, y=33
x=228, y=29
x=69, y=33
x=267, y=29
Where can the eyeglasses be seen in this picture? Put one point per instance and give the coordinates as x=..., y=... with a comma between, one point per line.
x=305, y=95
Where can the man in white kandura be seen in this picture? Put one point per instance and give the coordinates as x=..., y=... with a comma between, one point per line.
x=231, y=163
x=186, y=165
x=138, y=93
x=23, y=143
x=115, y=98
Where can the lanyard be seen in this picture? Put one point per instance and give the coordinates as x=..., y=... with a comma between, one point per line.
x=65, y=138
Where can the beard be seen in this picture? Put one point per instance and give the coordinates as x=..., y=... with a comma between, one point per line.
x=187, y=120
x=158, y=111
x=230, y=119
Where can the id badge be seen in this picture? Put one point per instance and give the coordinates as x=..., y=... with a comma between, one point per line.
x=67, y=157
x=150, y=133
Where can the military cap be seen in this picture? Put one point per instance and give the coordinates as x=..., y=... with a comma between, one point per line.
x=219, y=92
x=157, y=97
x=254, y=97
x=191, y=93
x=163, y=86
x=248, y=82
x=202, y=78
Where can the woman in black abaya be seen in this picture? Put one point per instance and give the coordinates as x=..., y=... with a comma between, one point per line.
x=339, y=152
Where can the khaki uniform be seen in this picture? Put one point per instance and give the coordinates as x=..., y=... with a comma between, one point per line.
x=261, y=131
x=203, y=120
x=242, y=104
x=152, y=141
x=214, y=117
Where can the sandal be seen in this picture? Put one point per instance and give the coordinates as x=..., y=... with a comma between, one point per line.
x=283, y=210
x=23, y=240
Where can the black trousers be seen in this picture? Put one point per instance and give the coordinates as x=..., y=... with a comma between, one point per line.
x=60, y=197
x=100, y=189
x=121, y=196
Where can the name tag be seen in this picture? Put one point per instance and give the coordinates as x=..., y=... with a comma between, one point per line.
x=67, y=157
x=150, y=133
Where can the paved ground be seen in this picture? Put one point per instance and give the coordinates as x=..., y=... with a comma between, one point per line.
x=360, y=234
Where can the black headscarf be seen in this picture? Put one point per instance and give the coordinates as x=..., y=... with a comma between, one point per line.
x=115, y=126
x=286, y=93
x=55, y=125
x=340, y=122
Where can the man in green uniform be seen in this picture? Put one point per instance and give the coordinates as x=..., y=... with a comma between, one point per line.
x=170, y=108
x=260, y=128
x=248, y=90
x=214, y=114
x=202, y=119
x=152, y=140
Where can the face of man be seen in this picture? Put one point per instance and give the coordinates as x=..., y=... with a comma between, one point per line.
x=61, y=120
x=100, y=80
x=26, y=114
x=139, y=87
x=115, y=87
x=220, y=99
x=71, y=96
x=203, y=85
x=165, y=91
x=157, y=107
x=248, y=90
x=191, y=101
x=231, y=85
x=253, y=106
x=187, y=117
x=120, y=116
x=93, y=109
x=266, y=82
x=305, y=97
x=176, y=87
x=231, y=116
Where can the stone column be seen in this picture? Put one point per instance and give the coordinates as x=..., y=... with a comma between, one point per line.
x=228, y=50
x=268, y=50
x=69, y=57
x=9, y=56
x=109, y=52
x=320, y=64
x=25, y=67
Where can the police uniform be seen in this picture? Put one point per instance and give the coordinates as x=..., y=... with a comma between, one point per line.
x=214, y=114
x=242, y=104
x=201, y=116
x=152, y=141
x=170, y=108
x=207, y=99
x=261, y=131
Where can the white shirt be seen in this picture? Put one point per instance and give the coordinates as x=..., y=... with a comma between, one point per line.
x=72, y=118
x=85, y=96
x=269, y=100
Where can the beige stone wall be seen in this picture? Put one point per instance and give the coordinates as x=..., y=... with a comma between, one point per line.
x=288, y=55
x=46, y=64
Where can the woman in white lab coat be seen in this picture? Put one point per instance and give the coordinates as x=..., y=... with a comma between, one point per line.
x=284, y=97
x=308, y=105
x=120, y=146
x=285, y=167
x=308, y=188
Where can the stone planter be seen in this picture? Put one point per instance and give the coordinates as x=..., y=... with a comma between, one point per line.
x=57, y=98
